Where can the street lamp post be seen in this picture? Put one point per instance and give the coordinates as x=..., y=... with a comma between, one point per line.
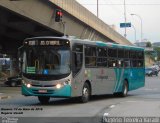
x=141, y=25
x=134, y=32
x=125, y=19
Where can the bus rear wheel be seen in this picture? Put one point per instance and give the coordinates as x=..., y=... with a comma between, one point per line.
x=86, y=93
x=43, y=99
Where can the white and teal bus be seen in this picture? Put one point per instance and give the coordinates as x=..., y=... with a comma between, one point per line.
x=69, y=67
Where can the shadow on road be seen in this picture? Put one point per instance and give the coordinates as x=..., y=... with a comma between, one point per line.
x=71, y=101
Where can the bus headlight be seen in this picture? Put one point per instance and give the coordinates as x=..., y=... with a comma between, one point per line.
x=58, y=86
x=28, y=85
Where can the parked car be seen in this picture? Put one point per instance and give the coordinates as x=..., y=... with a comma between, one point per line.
x=151, y=71
x=13, y=81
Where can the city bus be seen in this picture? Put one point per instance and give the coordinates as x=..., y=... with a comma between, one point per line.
x=65, y=67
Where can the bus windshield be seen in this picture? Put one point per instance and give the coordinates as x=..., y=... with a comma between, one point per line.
x=46, y=60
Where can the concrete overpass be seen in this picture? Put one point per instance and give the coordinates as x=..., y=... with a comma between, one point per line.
x=21, y=19
x=97, y=26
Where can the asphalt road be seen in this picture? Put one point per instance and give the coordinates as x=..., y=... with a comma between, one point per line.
x=144, y=102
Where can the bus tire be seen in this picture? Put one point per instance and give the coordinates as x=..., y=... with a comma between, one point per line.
x=86, y=93
x=125, y=89
x=43, y=99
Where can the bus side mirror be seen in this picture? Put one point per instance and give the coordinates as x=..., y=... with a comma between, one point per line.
x=20, y=56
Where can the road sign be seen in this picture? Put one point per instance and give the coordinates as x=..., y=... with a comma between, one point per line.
x=123, y=25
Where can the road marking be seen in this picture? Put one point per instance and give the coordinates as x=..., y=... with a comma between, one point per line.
x=112, y=106
x=149, y=89
x=5, y=97
x=132, y=101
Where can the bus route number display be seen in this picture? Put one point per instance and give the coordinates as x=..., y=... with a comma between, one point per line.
x=43, y=43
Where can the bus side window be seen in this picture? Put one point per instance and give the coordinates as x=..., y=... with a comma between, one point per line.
x=77, y=58
x=90, y=56
x=126, y=63
x=112, y=63
x=120, y=63
x=77, y=62
x=140, y=63
x=102, y=60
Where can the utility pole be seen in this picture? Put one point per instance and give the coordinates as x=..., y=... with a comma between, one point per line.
x=125, y=19
x=97, y=8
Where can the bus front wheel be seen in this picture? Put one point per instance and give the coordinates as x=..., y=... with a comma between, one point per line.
x=43, y=99
x=86, y=92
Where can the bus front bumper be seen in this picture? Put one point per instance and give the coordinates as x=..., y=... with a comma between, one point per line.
x=64, y=91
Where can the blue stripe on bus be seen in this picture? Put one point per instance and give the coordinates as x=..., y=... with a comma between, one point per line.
x=99, y=43
x=134, y=76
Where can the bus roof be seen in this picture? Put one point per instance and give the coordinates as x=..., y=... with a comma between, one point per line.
x=89, y=42
x=105, y=44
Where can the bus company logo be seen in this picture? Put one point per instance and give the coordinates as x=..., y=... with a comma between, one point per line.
x=9, y=120
x=102, y=77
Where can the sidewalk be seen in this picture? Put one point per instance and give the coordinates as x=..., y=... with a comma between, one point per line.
x=9, y=92
x=2, y=95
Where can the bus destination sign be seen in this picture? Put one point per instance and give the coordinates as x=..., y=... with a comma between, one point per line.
x=46, y=42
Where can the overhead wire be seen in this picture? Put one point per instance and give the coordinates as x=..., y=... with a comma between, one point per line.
x=126, y=4
x=120, y=11
x=114, y=9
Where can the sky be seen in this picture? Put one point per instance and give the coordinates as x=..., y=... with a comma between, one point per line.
x=112, y=13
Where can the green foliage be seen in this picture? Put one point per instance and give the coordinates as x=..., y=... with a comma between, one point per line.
x=151, y=54
x=157, y=49
x=148, y=44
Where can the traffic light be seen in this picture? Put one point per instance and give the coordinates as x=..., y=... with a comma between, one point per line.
x=58, y=15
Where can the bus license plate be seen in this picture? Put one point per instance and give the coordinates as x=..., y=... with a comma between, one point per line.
x=42, y=91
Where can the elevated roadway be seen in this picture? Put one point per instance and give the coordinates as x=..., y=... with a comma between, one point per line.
x=21, y=19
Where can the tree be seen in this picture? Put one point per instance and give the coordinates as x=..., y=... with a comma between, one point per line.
x=148, y=44
x=157, y=49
